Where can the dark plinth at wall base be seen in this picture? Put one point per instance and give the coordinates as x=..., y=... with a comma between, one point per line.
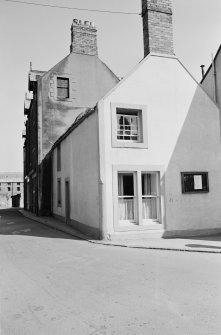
x=191, y=233
x=91, y=232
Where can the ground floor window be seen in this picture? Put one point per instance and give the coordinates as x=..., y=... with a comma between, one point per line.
x=138, y=198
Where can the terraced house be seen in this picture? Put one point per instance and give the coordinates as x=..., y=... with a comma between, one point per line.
x=56, y=97
x=146, y=160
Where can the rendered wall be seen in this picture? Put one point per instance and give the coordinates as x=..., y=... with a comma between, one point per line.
x=183, y=135
x=89, y=81
x=79, y=164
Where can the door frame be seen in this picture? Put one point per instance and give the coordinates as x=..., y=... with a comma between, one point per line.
x=67, y=200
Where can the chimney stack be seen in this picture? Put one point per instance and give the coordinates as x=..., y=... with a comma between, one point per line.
x=157, y=26
x=83, y=37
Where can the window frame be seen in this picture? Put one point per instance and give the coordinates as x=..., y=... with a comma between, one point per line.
x=68, y=88
x=195, y=173
x=142, y=125
x=141, y=224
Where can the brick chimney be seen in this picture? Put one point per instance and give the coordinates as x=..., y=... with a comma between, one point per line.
x=157, y=26
x=83, y=37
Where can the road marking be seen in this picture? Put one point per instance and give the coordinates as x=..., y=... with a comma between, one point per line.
x=10, y=222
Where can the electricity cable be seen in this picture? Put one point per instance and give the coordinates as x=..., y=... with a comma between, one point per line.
x=72, y=8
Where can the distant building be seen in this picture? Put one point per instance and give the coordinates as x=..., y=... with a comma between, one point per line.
x=56, y=98
x=11, y=190
x=211, y=81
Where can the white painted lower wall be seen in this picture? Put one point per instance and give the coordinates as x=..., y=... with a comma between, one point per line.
x=79, y=165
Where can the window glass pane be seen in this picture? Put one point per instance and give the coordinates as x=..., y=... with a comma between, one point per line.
x=63, y=82
x=126, y=209
x=62, y=92
x=126, y=184
x=126, y=202
x=149, y=206
x=127, y=124
x=149, y=184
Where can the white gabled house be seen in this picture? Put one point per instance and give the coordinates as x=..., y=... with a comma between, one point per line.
x=146, y=161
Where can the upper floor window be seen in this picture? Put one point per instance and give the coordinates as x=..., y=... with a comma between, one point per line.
x=62, y=88
x=128, y=128
x=129, y=125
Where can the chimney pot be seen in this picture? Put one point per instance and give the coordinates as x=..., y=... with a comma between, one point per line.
x=83, y=38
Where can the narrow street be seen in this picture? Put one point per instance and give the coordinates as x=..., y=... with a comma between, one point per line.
x=52, y=283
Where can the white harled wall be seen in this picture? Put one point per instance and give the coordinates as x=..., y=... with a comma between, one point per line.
x=183, y=135
x=79, y=164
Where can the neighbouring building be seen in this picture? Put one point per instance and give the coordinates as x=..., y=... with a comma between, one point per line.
x=11, y=189
x=211, y=80
x=146, y=160
x=55, y=99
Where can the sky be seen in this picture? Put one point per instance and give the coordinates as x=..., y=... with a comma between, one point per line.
x=42, y=35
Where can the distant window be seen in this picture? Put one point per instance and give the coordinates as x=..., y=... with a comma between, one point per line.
x=18, y=183
x=18, y=188
x=62, y=88
x=9, y=188
x=58, y=157
x=8, y=183
x=59, y=193
x=195, y=182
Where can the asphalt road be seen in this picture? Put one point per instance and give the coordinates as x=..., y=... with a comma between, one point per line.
x=51, y=283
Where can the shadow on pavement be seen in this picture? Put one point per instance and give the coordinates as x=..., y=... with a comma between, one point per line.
x=202, y=246
x=12, y=222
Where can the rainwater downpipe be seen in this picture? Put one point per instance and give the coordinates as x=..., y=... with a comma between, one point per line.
x=101, y=177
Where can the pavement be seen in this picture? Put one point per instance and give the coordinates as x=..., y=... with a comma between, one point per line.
x=206, y=244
